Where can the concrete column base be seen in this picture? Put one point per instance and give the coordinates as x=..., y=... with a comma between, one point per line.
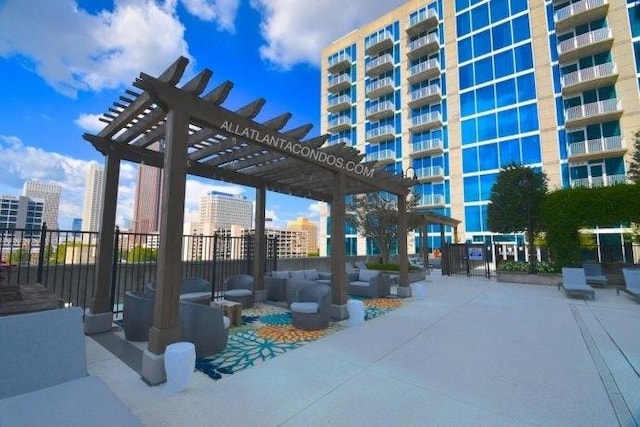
x=95, y=323
x=339, y=312
x=404, y=291
x=153, y=372
x=260, y=295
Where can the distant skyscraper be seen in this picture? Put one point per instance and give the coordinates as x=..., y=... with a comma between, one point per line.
x=224, y=210
x=309, y=230
x=50, y=194
x=93, y=195
x=146, y=209
x=21, y=212
x=76, y=225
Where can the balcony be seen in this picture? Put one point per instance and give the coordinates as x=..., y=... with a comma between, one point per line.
x=433, y=173
x=431, y=201
x=424, y=70
x=382, y=156
x=380, y=110
x=378, y=88
x=378, y=43
x=596, y=112
x=339, y=124
x=580, y=13
x=429, y=146
x=426, y=121
x=425, y=96
x=339, y=63
x=585, y=44
x=379, y=65
x=424, y=45
x=381, y=133
x=423, y=21
x=339, y=83
x=339, y=104
x=597, y=148
x=599, y=181
x=589, y=78
x=343, y=140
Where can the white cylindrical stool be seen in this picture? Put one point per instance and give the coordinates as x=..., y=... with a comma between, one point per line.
x=356, y=312
x=421, y=291
x=179, y=364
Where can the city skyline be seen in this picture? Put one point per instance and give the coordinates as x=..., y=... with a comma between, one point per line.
x=54, y=91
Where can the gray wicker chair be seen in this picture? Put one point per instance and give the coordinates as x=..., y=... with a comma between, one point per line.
x=311, y=308
x=240, y=288
x=195, y=289
x=204, y=326
x=137, y=316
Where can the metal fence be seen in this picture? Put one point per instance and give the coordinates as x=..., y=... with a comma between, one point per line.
x=465, y=259
x=64, y=261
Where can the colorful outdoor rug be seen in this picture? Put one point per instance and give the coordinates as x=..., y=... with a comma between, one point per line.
x=267, y=332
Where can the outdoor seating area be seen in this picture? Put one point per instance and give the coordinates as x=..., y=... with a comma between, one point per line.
x=631, y=283
x=574, y=283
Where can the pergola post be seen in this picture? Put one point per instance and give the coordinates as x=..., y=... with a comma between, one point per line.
x=404, y=290
x=100, y=319
x=260, y=244
x=338, y=251
x=166, y=328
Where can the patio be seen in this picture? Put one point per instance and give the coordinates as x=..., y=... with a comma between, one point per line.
x=473, y=352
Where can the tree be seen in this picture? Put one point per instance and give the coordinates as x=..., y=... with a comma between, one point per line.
x=634, y=166
x=141, y=254
x=515, y=204
x=375, y=216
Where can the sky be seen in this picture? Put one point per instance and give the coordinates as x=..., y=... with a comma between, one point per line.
x=64, y=62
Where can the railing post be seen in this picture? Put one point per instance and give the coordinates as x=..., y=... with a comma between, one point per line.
x=41, y=255
x=114, y=269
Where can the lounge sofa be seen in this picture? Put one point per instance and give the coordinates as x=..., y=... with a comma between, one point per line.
x=44, y=379
x=369, y=283
x=284, y=285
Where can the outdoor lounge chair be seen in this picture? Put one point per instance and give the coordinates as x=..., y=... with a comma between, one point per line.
x=370, y=284
x=311, y=308
x=631, y=282
x=137, y=316
x=593, y=273
x=240, y=288
x=204, y=326
x=574, y=283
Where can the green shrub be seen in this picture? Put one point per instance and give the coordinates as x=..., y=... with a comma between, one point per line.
x=515, y=266
x=548, y=267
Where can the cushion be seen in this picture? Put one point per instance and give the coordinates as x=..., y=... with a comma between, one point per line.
x=298, y=274
x=304, y=307
x=365, y=275
x=237, y=292
x=226, y=322
x=311, y=274
x=195, y=296
x=280, y=274
x=360, y=283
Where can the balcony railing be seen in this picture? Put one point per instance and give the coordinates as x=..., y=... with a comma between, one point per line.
x=422, y=21
x=379, y=65
x=593, y=112
x=589, y=78
x=343, y=140
x=599, y=181
x=339, y=83
x=381, y=156
x=380, y=109
x=430, y=173
x=431, y=200
x=339, y=123
x=340, y=103
x=339, y=62
x=379, y=87
x=376, y=44
x=580, y=13
x=428, y=43
x=596, y=146
x=424, y=96
x=426, y=121
x=585, y=44
x=424, y=70
x=429, y=145
x=381, y=133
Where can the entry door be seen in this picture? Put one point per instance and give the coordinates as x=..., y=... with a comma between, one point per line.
x=596, y=172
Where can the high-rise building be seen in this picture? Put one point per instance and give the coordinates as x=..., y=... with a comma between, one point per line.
x=453, y=91
x=50, y=194
x=23, y=213
x=93, y=195
x=146, y=209
x=309, y=231
x=222, y=210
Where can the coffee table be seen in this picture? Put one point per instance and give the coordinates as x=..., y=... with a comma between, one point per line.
x=232, y=309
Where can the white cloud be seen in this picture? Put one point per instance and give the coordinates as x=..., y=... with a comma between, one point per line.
x=314, y=210
x=90, y=122
x=73, y=50
x=295, y=31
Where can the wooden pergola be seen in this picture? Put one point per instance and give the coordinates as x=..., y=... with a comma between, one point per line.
x=199, y=136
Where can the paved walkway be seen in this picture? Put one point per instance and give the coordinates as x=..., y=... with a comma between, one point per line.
x=474, y=352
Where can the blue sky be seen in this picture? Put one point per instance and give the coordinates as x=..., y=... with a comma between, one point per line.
x=64, y=62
